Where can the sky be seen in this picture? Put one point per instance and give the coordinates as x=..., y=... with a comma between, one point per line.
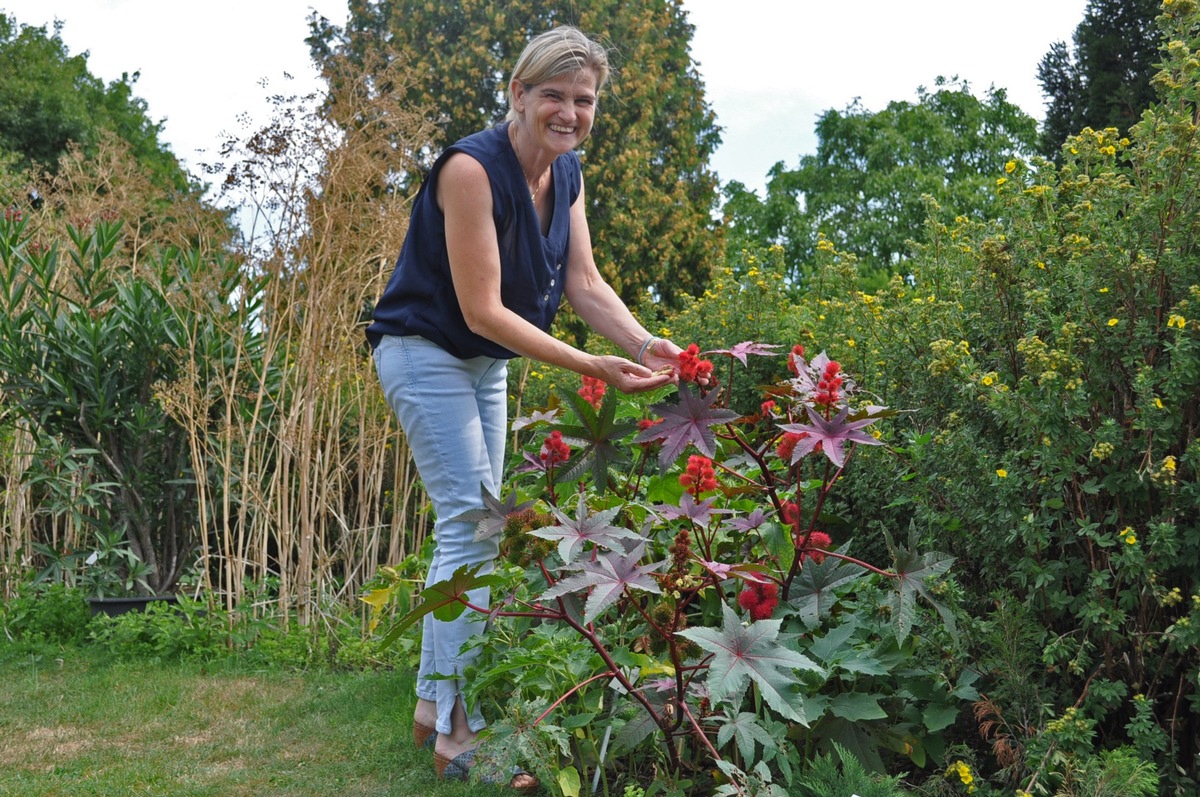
x=770, y=67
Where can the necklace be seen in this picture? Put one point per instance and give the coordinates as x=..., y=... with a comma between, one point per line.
x=533, y=189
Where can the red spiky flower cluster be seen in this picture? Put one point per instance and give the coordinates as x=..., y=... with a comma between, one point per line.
x=691, y=367
x=829, y=384
x=699, y=476
x=643, y=425
x=813, y=541
x=787, y=445
x=554, y=450
x=593, y=391
x=759, y=600
x=794, y=359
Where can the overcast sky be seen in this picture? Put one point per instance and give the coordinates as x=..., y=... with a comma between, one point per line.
x=770, y=67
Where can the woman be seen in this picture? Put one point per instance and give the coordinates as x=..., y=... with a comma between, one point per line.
x=498, y=236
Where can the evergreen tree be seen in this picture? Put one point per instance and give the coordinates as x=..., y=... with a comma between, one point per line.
x=49, y=99
x=649, y=187
x=1106, y=81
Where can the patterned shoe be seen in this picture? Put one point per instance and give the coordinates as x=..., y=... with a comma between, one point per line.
x=459, y=768
x=423, y=735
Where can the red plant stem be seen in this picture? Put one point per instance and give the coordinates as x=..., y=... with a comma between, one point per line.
x=598, y=646
x=546, y=573
x=858, y=562
x=704, y=737
x=649, y=620
x=553, y=499
x=824, y=492
x=570, y=692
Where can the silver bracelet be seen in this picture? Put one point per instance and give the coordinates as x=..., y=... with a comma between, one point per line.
x=645, y=347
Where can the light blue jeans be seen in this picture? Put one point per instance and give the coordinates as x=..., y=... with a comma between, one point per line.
x=454, y=414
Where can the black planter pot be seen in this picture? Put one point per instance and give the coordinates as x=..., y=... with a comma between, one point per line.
x=137, y=603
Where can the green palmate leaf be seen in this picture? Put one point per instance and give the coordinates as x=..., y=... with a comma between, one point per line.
x=489, y=521
x=833, y=646
x=585, y=527
x=937, y=718
x=608, y=576
x=689, y=421
x=856, y=707
x=597, y=434
x=744, y=653
x=912, y=569
x=813, y=592
x=746, y=732
x=445, y=599
x=634, y=731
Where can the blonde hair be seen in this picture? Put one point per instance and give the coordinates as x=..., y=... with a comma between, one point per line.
x=560, y=51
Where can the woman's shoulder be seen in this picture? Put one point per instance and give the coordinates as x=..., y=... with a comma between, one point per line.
x=487, y=142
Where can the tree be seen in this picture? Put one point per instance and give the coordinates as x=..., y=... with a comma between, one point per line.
x=863, y=189
x=49, y=100
x=650, y=191
x=1106, y=83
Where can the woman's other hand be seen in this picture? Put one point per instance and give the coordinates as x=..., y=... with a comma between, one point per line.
x=663, y=353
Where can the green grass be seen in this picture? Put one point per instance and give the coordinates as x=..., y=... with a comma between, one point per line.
x=71, y=725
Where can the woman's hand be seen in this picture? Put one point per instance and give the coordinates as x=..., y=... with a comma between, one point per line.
x=629, y=377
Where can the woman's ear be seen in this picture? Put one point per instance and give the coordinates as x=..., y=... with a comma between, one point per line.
x=517, y=89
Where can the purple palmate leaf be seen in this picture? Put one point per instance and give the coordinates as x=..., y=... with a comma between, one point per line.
x=597, y=529
x=742, y=653
x=699, y=513
x=740, y=350
x=489, y=521
x=832, y=435
x=749, y=522
x=547, y=416
x=608, y=576
x=743, y=571
x=684, y=423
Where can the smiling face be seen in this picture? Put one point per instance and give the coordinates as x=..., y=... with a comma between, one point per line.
x=556, y=114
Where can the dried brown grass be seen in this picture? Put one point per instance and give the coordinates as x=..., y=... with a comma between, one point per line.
x=303, y=475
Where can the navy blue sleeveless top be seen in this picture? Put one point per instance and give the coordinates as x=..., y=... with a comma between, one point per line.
x=419, y=298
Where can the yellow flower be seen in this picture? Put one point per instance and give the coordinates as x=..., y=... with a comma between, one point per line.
x=850, y=342
x=1041, y=264
x=1158, y=403
x=1002, y=181
x=1112, y=322
x=987, y=380
x=1010, y=166
x=1176, y=321
x=1104, y=290
x=1131, y=539
x=1002, y=473
x=963, y=771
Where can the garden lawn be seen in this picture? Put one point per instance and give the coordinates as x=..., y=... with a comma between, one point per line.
x=74, y=726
